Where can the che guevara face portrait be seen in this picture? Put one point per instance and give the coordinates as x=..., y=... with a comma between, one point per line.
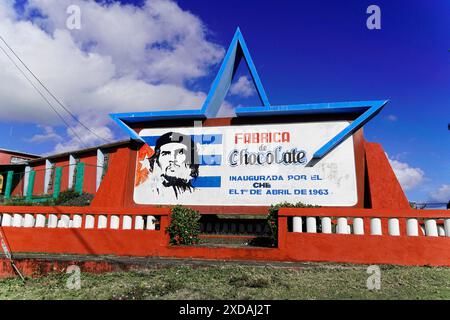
x=175, y=162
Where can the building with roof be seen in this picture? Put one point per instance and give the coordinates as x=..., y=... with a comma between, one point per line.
x=34, y=177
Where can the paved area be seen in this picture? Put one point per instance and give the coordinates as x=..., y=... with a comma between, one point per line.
x=167, y=262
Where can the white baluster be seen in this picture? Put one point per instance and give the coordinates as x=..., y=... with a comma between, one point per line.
x=393, y=227
x=77, y=221
x=52, y=221
x=441, y=231
x=29, y=221
x=17, y=220
x=102, y=222
x=115, y=222
x=6, y=220
x=89, y=222
x=64, y=221
x=412, y=227
x=358, y=226
x=431, y=228
x=326, y=225
x=311, y=225
x=139, y=223
x=446, y=227
x=297, y=224
x=375, y=227
x=151, y=223
x=40, y=221
x=342, y=227
x=127, y=221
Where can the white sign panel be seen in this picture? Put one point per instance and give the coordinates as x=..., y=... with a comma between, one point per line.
x=246, y=165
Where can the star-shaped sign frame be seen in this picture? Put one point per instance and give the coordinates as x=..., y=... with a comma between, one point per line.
x=237, y=50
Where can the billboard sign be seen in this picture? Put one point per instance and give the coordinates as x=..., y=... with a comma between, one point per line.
x=245, y=165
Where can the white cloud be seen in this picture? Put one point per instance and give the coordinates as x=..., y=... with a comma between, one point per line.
x=48, y=135
x=243, y=87
x=408, y=177
x=123, y=59
x=391, y=118
x=442, y=194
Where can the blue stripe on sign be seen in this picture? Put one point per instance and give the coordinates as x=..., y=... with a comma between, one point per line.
x=207, y=182
x=207, y=138
x=200, y=138
x=210, y=160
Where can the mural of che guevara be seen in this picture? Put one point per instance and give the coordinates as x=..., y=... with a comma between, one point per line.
x=174, y=165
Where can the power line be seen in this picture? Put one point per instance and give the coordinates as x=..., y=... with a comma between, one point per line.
x=43, y=97
x=51, y=94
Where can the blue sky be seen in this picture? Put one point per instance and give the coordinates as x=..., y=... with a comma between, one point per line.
x=322, y=51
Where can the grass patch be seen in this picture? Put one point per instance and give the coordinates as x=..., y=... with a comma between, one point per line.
x=318, y=281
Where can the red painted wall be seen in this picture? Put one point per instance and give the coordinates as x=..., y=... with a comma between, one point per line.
x=39, y=179
x=365, y=249
x=5, y=156
x=383, y=188
x=90, y=171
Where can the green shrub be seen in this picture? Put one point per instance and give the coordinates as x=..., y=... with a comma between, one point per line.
x=66, y=198
x=272, y=217
x=72, y=198
x=184, y=228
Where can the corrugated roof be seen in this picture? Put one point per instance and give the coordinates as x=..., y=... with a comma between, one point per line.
x=20, y=152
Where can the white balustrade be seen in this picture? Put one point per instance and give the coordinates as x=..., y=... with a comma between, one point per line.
x=29, y=221
x=6, y=220
x=52, y=221
x=393, y=227
x=326, y=225
x=297, y=224
x=431, y=228
x=102, y=222
x=77, y=221
x=311, y=226
x=64, y=221
x=139, y=223
x=412, y=227
x=358, y=226
x=40, y=221
x=446, y=227
x=17, y=220
x=89, y=221
x=115, y=222
x=151, y=223
x=441, y=231
x=342, y=226
x=375, y=227
x=126, y=224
